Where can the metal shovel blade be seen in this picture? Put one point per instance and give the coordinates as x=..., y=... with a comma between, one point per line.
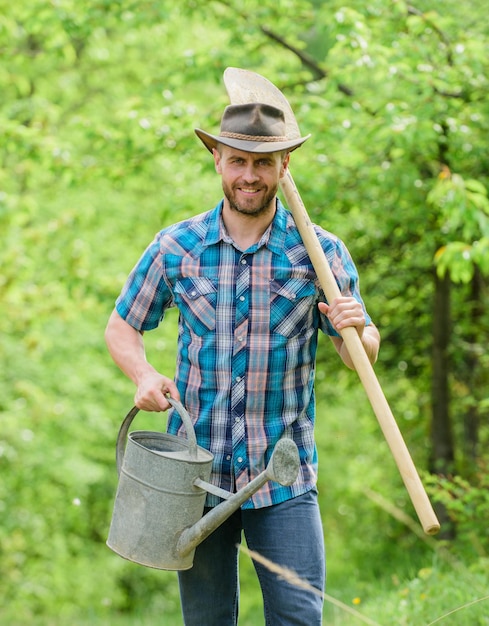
x=244, y=86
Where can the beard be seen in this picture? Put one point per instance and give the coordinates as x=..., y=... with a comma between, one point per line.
x=253, y=207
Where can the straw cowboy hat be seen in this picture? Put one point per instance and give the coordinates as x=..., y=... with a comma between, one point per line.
x=252, y=127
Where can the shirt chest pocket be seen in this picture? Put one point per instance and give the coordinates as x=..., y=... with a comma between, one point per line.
x=196, y=299
x=292, y=303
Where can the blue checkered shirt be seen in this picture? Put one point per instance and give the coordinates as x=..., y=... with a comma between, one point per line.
x=248, y=332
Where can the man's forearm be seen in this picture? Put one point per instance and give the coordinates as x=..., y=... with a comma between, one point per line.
x=371, y=342
x=126, y=347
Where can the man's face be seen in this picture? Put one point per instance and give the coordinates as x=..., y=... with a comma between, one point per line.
x=250, y=180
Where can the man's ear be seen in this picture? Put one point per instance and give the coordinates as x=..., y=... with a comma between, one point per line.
x=217, y=160
x=285, y=165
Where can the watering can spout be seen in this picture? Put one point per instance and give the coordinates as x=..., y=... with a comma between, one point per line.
x=282, y=468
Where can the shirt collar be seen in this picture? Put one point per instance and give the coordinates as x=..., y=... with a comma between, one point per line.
x=273, y=238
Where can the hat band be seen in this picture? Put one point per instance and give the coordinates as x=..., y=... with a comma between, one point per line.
x=253, y=137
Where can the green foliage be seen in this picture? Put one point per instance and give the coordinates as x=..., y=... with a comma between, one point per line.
x=463, y=207
x=467, y=503
x=99, y=100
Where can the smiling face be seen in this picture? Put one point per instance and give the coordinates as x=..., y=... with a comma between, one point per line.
x=250, y=180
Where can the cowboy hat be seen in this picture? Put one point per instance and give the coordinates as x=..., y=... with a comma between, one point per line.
x=252, y=127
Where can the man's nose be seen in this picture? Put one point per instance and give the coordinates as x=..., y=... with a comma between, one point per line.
x=250, y=174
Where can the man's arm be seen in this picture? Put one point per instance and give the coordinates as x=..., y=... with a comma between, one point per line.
x=346, y=311
x=126, y=347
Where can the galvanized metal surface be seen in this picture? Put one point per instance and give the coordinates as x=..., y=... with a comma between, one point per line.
x=157, y=517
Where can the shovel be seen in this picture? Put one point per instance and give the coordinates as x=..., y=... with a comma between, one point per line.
x=244, y=86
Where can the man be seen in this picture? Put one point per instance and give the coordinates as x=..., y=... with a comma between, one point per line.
x=250, y=308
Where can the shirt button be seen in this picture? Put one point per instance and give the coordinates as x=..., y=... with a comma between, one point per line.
x=240, y=338
x=238, y=378
x=243, y=261
x=228, y=458
x=240, y=460
x=242, y=298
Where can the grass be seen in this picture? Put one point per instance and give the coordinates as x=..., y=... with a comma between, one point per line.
x=456, y=597
x=441, y=593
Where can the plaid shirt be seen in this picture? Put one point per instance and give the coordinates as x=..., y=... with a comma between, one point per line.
x=248, y=331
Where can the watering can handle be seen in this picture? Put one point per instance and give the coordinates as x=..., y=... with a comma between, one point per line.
x=124, y=429
x=189, y=427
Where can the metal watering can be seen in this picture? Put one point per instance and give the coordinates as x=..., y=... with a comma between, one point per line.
x=157, y=517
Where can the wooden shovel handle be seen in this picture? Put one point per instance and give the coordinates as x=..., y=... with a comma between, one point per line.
x=361, y=362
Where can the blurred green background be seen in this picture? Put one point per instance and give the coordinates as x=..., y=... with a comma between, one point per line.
x=99, y=102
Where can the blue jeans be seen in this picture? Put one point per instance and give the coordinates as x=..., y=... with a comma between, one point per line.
x=289, y=534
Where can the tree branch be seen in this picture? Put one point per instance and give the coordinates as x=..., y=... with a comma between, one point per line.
x=414, y=11
x=318, y=72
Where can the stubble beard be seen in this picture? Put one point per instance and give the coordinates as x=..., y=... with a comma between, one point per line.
x=251, y=210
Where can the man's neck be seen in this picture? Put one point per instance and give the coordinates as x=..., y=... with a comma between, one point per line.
x=246, y=230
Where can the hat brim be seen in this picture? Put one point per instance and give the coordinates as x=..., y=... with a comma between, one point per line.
x=211, y=141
